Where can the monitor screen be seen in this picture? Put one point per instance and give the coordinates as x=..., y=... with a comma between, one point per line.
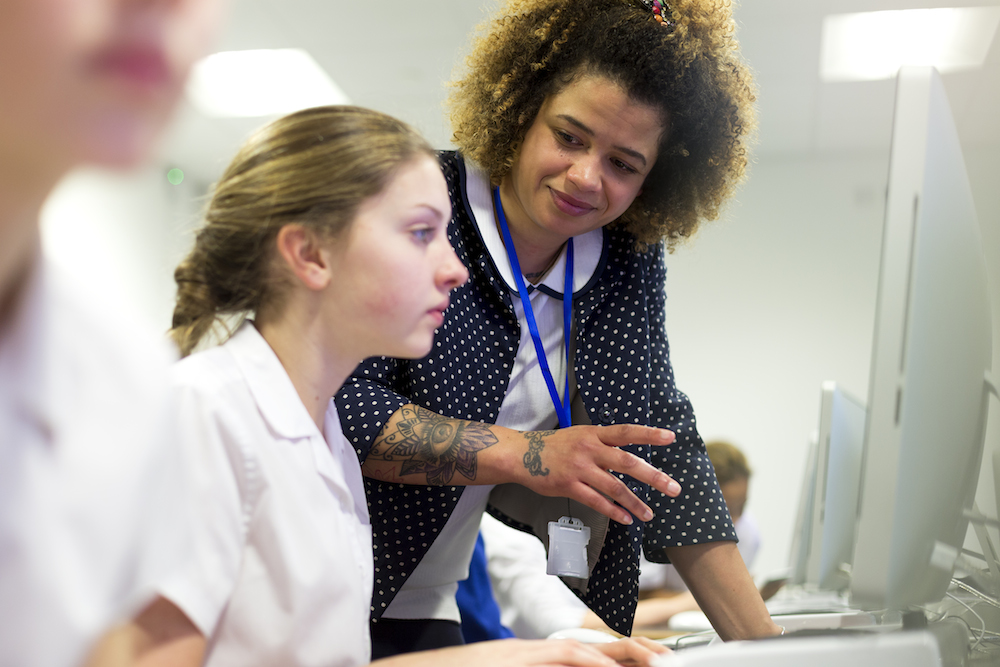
x=932, y=346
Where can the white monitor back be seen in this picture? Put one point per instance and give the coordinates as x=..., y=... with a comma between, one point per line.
x=798, y=558
x=932, y=346
x=838, y=487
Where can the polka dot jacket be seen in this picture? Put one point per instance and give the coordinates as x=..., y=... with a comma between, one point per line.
x=623, y=373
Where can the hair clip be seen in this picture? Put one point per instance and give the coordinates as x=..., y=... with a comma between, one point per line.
x=660, y=12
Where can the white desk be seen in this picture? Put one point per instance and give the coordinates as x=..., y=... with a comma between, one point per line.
x=944, y=644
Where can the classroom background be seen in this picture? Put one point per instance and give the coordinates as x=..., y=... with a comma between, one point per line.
x=763, y=304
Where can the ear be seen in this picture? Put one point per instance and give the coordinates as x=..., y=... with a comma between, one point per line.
x=305, y=256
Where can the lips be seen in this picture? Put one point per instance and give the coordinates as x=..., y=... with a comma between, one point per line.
x=141, y=66
x=570, y=205
x=438, y=313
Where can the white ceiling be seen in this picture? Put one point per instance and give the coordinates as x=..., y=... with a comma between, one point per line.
x=396, y=57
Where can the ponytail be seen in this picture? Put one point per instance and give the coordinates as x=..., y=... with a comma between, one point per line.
x=314, y=168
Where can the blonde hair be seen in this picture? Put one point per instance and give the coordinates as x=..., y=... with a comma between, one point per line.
x=729, y=462
x=693, y=72
x=314, y=168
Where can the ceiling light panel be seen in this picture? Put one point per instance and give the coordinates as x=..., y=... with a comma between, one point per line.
x=874, y=45
x=260, y=82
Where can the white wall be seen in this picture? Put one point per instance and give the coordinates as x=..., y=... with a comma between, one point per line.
x=763, y=305
x=123, y=232
x=778, y=296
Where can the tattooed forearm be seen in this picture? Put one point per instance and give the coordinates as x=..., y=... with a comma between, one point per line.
x=430, y=444
x=533, y=457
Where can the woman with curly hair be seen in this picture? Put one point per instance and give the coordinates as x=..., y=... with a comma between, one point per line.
x=592, y=136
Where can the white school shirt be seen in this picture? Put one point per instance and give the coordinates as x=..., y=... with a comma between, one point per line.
x=430, y=590
x=93, y=496
x=285, y=568
x=532, y=603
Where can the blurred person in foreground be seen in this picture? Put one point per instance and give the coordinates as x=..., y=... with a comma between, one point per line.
x=94, y=500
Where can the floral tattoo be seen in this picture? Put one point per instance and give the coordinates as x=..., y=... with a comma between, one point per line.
x=437, y=446
x=533, y=457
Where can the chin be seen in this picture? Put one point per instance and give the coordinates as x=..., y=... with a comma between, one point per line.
x=417, y=348
x=124, y=140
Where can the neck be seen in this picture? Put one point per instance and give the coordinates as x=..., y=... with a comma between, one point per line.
x=536, y=248
x=20, y=204
x=302, y=343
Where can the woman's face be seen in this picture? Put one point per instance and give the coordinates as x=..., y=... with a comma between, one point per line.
x=582, y=162
x=393, y=274
x=94, y=80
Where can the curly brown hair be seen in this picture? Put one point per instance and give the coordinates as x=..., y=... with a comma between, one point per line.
x=692, y=70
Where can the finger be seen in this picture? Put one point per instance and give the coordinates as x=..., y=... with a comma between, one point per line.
x=570, y=653
x=654, y=646
x=642, y=471
x=635, y=651
x=587, y=495
x=525, y=652
x=621, y=435
x=609, y=485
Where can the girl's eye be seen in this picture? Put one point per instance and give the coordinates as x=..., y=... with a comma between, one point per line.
x=423, y=235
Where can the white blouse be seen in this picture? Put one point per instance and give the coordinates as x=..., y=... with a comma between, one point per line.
x=94, y=500
x=527, y=406
x=284, y=574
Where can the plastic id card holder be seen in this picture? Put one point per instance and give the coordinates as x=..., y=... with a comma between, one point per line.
x=568, y=540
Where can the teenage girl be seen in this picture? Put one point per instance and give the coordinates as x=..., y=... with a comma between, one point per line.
x=92, y=495
x=328, y=233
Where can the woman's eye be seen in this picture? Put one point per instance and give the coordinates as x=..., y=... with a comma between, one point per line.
x=566, y=137
x=624, y=166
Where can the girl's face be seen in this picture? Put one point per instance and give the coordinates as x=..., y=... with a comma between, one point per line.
x=94, y=80
x=393, y=274
x=582, y=162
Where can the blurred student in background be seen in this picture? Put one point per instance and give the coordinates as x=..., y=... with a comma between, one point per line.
x=92, y=495
x=660, y=584
x=533, y=604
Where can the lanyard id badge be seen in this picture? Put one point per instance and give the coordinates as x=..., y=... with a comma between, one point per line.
x=568, y=537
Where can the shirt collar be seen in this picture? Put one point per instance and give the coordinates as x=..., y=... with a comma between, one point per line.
x=588, y=248
x=29, y=385
x=268, y=381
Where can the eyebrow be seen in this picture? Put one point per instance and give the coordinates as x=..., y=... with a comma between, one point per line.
x=434, y=210
x=628, y=151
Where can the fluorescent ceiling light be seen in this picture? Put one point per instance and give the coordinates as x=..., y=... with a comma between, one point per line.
x=874, y=45
x=260, y=83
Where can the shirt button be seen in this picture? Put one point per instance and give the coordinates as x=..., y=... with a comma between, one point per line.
x=607, y=415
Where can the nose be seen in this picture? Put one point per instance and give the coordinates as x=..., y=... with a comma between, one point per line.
x=585, y=173
x=452, y=272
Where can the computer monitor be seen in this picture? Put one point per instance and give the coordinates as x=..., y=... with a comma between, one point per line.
x=835, y=509
x=927, y=398
x=823, y=539
x=798, y=558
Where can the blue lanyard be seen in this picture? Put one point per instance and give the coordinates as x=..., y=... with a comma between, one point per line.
x=562, y=406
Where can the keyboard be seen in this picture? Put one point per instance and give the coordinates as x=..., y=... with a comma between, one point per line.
x=941, y=645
